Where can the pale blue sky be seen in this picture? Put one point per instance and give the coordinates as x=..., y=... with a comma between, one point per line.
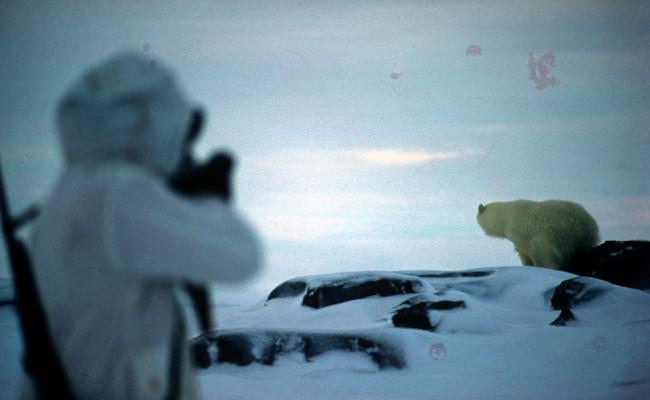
x=340, y=166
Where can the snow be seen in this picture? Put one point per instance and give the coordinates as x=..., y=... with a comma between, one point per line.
x=550, y=363
x=501, y=345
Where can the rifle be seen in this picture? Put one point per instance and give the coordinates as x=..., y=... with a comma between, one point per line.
x=40, y=358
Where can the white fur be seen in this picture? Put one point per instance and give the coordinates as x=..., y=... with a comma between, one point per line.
x=546, y=233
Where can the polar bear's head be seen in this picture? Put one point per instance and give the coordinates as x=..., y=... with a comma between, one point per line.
x=490, y=218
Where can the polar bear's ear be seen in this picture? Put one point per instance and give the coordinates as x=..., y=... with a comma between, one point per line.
x=481, y=208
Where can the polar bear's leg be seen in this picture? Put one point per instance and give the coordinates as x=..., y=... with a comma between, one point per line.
x=525, y=259
x=523, y=250
x=545, y=254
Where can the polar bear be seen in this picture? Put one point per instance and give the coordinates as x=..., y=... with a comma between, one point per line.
x=545, y=233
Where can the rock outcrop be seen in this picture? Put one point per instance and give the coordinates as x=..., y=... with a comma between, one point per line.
x=624, y=263
x=338, y=288
x=245, y=347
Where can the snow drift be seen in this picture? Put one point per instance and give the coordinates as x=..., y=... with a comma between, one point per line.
x=507, y=333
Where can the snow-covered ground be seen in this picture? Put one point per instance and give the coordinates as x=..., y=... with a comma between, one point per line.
x=499, y=345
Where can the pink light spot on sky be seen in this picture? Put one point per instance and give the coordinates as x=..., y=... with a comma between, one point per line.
x=540, y=70
x=437, y=351
x=473, y=50
x=146, y=47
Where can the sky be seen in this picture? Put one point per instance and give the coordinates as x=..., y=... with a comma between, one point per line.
x=340, y=166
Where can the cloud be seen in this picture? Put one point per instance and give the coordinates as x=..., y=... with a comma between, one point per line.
x=308, y=216
x=395, y=157
x=307, y=195
x=622, y=211
x=351, y=215
x=492, y=128
x=381, y=27
x=353, y=159
x=319, y=170
x=299, y=228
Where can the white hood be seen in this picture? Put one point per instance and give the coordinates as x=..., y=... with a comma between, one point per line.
x=127, y=108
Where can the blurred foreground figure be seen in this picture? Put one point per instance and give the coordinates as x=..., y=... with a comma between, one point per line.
x=121, y=231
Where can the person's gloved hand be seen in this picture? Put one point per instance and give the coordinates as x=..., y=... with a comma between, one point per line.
x=211, y=178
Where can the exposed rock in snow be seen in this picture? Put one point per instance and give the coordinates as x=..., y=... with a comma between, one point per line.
x=625, y=263
x=292, y=288
x=484, y=301
x=451, y=274
x=574, y=292
x=332, y=289
x=474, y=328
x=460, y=301
x=565, y=317
x=266, y=346
x=414, y=312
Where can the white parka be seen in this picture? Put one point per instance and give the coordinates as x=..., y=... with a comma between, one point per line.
x=112, y=238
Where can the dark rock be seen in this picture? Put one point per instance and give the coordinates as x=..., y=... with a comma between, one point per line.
x=316, y=345
x=450, y=274
x=292, y=288
x=415, y=318
x=565, y=316
x=263, y=347
x=445, y=305
x=624, y=263
x=339, y=292
x=236, y=349
x=326, y=291
x=414, y=312
x=426, y=302
x=573, y=292
x=200, y=352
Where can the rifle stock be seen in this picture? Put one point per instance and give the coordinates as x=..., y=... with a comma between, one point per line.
x=40, y=358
